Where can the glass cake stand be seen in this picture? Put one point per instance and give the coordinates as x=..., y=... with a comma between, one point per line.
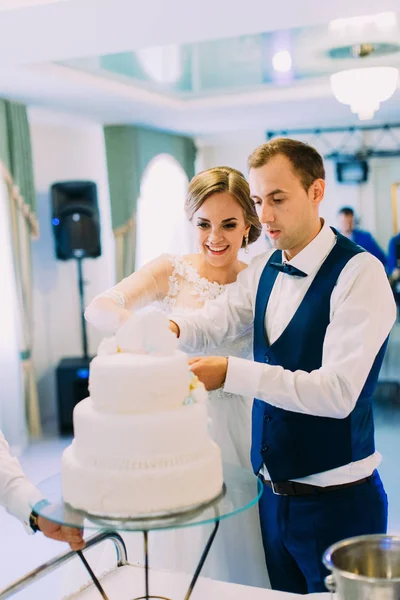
x=240, y=492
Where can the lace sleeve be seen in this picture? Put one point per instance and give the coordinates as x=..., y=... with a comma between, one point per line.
x=109, y=310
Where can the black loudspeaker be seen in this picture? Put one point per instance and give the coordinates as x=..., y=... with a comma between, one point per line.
x=72, y=376
x=75, y=219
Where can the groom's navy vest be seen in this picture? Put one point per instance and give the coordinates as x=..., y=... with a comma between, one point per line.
x=294, y=445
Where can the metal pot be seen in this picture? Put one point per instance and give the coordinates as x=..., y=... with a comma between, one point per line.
x=364, y=567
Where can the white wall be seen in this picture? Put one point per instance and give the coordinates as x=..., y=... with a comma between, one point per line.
x=371, y=200
x=64, y=148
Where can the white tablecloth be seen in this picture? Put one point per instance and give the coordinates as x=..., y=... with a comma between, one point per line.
x=126, y=583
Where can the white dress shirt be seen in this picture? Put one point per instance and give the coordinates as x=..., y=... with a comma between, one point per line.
x=362, y=313
x=17, y=494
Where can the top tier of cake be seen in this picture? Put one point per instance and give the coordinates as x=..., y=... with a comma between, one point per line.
x=139, y=383
x=140, y=369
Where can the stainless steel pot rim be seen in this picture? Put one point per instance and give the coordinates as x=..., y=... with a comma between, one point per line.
x=327, y=558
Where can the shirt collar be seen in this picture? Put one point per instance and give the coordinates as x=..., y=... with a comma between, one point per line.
x=313, y=255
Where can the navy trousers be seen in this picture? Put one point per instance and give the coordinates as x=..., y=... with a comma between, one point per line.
x=296, y=530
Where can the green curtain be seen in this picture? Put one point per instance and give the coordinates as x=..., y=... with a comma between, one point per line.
x=129, y=150
x=15, y=149
x=17, y=171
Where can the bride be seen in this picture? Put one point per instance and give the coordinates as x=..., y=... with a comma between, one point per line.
x=219, y=207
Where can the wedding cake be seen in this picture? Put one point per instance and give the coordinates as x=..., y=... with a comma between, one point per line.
x=141, y=442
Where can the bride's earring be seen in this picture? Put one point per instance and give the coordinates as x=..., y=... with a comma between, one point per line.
x=246, y=243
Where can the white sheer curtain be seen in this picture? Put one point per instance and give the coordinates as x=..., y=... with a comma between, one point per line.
x=12, y=410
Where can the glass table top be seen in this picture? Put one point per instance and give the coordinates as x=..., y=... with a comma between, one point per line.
x=241, y=491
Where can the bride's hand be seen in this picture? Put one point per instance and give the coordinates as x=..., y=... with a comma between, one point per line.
x=105, y=315
x=211, y=370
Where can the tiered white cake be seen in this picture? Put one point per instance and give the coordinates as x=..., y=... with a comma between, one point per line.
x=141, y=442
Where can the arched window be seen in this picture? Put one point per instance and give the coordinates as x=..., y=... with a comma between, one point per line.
x=161, y=221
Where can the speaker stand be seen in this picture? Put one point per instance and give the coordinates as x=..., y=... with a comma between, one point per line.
x=82, y=308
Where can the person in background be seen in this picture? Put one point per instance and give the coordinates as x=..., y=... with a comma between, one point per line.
x=393, y=268
x=18, y=495
x=348, y=227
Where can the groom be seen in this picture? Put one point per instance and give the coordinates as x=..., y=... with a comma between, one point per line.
x=321, y=309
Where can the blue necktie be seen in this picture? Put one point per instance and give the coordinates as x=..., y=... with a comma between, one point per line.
x=289, y=269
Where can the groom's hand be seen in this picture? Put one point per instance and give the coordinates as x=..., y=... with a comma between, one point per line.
x=211, y=370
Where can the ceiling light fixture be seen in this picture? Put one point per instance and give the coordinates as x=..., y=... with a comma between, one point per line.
x=282, y=61
x=383, y=22
x=364, y=89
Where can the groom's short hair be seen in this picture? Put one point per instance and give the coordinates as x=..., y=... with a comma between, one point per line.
x=306, y=161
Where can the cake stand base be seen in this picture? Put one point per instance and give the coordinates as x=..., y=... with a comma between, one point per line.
x=146, y=527
x=197, y=572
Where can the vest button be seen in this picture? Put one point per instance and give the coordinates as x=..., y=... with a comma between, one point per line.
x=267, y=418
x=267, y=359
x=264, y=448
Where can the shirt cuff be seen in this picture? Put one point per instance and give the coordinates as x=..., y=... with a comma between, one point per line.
x=22, y=502
x=243, y=377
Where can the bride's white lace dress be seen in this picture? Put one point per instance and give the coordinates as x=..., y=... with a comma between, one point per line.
x=173, y=284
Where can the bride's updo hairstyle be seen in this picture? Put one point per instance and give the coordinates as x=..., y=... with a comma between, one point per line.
x=216, y=181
